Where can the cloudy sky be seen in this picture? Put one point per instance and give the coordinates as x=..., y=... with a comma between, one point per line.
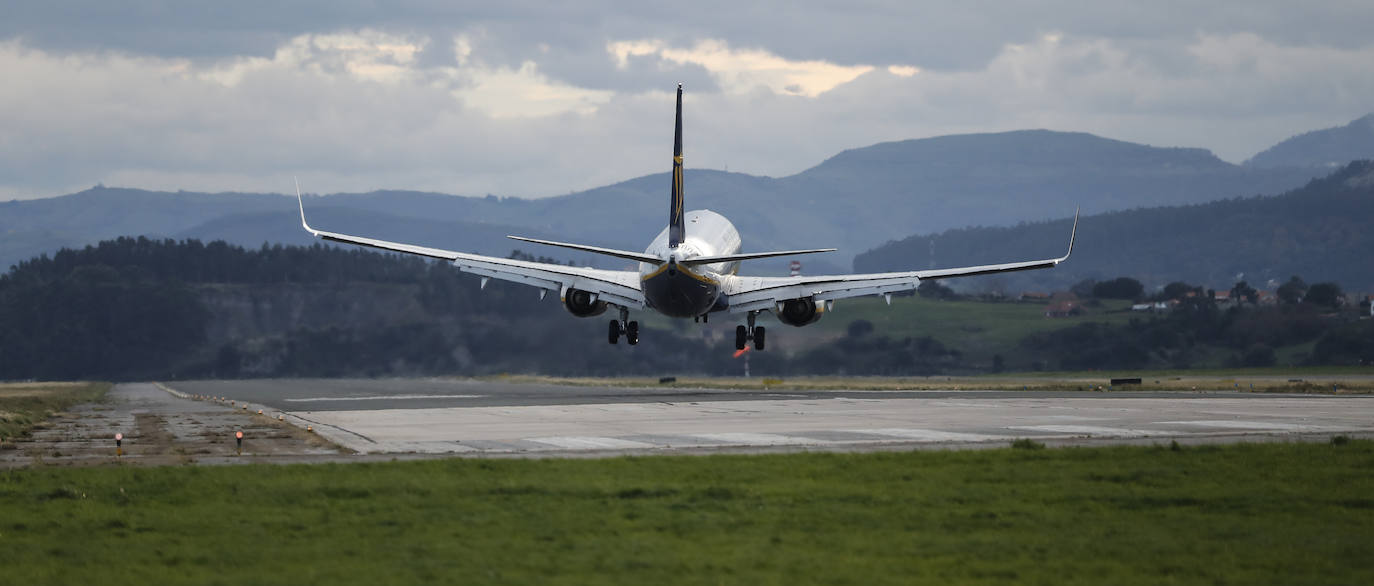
x=534, y=99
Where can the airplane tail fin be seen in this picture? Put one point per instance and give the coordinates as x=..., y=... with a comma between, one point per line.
x=676, y=226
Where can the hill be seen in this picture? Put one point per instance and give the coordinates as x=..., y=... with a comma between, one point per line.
x=1320, y=229
x=998, y=179
x=1324, y=149
x=856, y=200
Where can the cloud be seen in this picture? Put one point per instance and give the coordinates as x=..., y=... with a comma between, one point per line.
x=503, y=100
x=744, y=70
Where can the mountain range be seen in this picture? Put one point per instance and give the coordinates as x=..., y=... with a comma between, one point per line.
x=856, y=200
x=1319, y=232
x=1324, y=149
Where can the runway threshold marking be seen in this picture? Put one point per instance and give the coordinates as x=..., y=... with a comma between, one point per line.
x=590, y=443
x=928, y=434
x=1091, y=430
x=1256, y=425
x=381, y=398
x=758, y=439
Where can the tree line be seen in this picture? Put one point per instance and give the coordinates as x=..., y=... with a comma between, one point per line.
x=137, y=308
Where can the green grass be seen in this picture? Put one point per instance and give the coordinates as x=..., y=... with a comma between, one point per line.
x=976, y=327
x=979, y=329
x=1244, y=514
x=24, y=405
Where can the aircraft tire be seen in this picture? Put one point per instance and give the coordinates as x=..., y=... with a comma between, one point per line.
x=614, y=334
x=741, y=337
x=632, y=333
x=758, y=338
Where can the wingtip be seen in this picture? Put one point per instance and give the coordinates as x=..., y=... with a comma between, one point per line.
x=1073, y=234
x=300, y=201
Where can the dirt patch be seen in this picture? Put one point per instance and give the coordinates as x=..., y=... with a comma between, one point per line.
x=150, y=434
x=161, y=429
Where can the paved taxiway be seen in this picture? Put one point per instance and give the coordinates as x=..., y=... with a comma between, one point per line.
x=486, y=417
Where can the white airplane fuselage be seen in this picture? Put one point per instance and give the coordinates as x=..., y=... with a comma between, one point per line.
x=677, y=290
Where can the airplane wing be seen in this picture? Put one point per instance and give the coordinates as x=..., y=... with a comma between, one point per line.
x=614, y=287
x=765, y=293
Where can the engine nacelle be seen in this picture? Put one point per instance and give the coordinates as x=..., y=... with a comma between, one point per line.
x=800, y=312
x=583, y=303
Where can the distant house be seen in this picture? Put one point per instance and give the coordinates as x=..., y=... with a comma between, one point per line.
x=1063, y=309
x=1155, y=306
x=1034, y=296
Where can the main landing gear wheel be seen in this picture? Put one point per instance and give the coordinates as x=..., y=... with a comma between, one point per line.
x=749, y=333
x=630, y=330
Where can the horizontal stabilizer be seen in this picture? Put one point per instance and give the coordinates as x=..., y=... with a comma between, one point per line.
x=625, y=254
x=706, y=260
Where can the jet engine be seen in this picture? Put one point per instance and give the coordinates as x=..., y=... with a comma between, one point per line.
x=800, y=312
x=583, y=303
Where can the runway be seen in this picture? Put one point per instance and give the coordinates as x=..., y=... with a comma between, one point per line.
x=493, y=418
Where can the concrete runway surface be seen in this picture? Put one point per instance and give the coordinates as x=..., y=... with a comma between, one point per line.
x=436, y=416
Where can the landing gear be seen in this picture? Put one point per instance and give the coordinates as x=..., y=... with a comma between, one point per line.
x=630, y=329
x=743, y=334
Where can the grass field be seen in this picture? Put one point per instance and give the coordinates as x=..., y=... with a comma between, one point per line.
x=1243, y=514
x=979, y=329
x=24, y=405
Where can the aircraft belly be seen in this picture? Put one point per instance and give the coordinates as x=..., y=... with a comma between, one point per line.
x=679, y=293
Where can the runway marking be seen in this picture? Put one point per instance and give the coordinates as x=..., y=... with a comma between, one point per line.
x=590, y=443
x=759, y=439
x=381, y=398
x=432, y=447
x=1257, y=425
x=1090, y=430
x=931, y=435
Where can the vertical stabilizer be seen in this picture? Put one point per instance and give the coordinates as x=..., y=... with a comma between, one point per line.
x=676, y=230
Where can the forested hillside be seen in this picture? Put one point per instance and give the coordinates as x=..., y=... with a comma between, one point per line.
x=135, y=308
x=1322, y=228
x=1324, y=149
x=139, y=308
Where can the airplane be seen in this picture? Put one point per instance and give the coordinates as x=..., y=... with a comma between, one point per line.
x=690, y=270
